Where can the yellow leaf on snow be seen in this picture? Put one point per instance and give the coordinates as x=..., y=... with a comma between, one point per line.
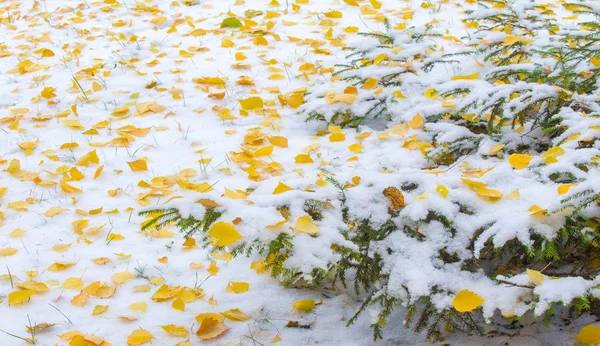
x=73, y=283
x=88, y=158
x=356, y=148
x=304, y=305
x=535, y=276
x=303, y=158
x=206, y=315
x=99, y=309
x=295, y=100
x=416, y=122
x=519, y=161
x=53, y=211
x=467, y=76
x=306, y=225
x=80, y=299
x=281, y=188
x=237, y=194
x=251, y=103
x=174, y=330
x=431, y=93
x=8, y=251
x=279, y=141
x=122, y=277
x=345, y=98
x=59, y=266
x=223, y=234
x=589, y=335
x=19, y=297
x=222, y=255
x=138, y=166
x=466, y=301
x=237, y=287
x=139, y=337
x=140, y=306
x=178, y=304
x=236, y=315
x=211, y=328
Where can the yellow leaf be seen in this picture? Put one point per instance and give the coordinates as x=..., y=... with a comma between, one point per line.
x=8, y=251
x=80, y=299
x=281, y=188
x=88, y=158
x=99, y=309
x=185, y=54
x=519, y=161
x=337, y=137
x=122, y=277
x=53, y=211
x=562, y=189
x=295, y=100
x=264, y=151
x=223, y=234
x=174, y=330
x=491, y=193
x=304, y=305
x=138, y=166
x=333, y=14
x=237, y=287
x=178, y=304
x=306, y=225
x=303, y=158
x=206, y=315
x=356, y=148
x=370, y=83
x=467, y=77
x=278, y=338
x=596, y=61
x=236, y=315
x=431, y=93
x=495, y=149
x=589, y=335
x=48, y=92
x=416, y=122
x=535, y=276
x=279, y=141
x=551, y=155
x=399, y=95
x=98, y=172
x=395, y=196
x=139, y=337
x=510, y=40
x=259, y=266
x=237, y=194
x=17, y=232
x=514, y=195
x=58, y=266
x=466, y=301
x=442, y=190
x=73, y=283
x=140, y=306
x=251, y=103
x=211, y=328
x=345, y=98
x=19, y=297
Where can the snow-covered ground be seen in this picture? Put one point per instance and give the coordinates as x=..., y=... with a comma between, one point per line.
x=112, y=107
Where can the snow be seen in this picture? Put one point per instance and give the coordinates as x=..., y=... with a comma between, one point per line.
x=128, y=50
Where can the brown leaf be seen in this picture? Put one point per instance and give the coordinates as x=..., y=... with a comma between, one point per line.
x=297, y=324
x=40, y=327
x=395, y=196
